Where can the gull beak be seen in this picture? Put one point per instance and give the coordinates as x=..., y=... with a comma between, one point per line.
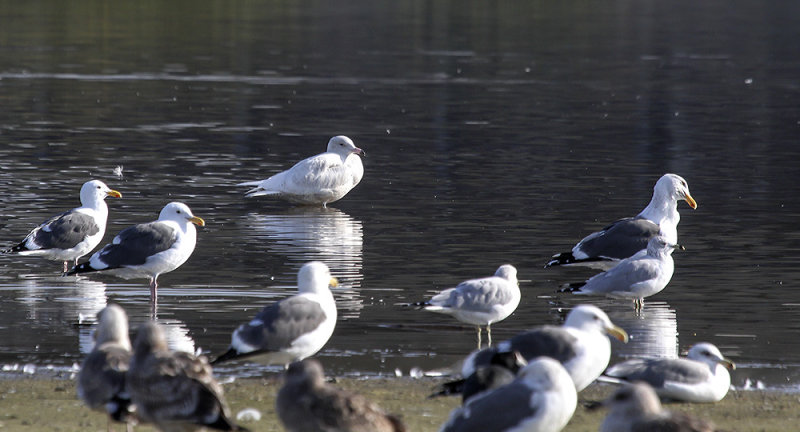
x=618, y=333
x=727, y=364
x=678, y=246
x=333, y=283
x=113, y=193
x=689, y=200
x=197, y=221
x=359, y=152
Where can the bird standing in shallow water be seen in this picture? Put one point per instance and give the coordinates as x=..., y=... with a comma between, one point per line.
x=479, y=302
x=320, y=179
x=74, y=233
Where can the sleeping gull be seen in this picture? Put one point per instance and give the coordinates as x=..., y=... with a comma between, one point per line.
x=541, y=399
x=479, y=302
x=148, y=249
x=174, y=390
x=501, y=370
x=306, y=403
x=74, y=233
x=293, y=328
x=636, y=408
x=701, y=377
x=644, y=274
x=320, y=179
x=101, y=380
x=580, y=345
x=625, y=237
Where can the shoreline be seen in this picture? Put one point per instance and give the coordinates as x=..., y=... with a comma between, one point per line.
x=32, y=403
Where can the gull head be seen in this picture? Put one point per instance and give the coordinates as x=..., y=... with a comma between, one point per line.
x=673, y=185
x=95, y=191
x=315, y=277
x=592, y=318
x=344, y=147
x=710, y=355
x=180, y=212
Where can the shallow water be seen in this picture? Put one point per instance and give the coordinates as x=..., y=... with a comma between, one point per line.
x=494, y=134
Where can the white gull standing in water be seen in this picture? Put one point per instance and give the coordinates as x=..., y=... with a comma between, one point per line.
x=644, y=274
x=150, y=249
x=636, y=408
x=479, y=302
x=74, y=233
x=541, y=399
x=581, y=345
x=625, y=237
x=320, y=179
x=700, y=377
x=293, y=328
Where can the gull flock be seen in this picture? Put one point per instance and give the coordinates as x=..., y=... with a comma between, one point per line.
x=532, y=379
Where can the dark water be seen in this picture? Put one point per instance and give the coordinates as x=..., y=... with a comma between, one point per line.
x=495, y=133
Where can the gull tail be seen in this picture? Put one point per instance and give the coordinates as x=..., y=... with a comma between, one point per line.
x=572, y=287
x=568, y=259
x=17, y=248
x=449, y=388
x=227, y=355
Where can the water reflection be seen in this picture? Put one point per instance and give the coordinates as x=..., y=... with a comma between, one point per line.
x=303, y=234
x=653, y=331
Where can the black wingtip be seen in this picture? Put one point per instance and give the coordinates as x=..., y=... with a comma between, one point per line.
x=572, y=287
x=81, y=268
x=563, y=258
x=450, y=388
x=227, y=355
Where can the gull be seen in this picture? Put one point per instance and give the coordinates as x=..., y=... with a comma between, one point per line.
x=581, y=345
x=74, y=233
x=501, y=370
x=605, y=248
x=176, y=391
x=150, y=249
x=306, y=403
x=636, y=408
x=479, y=302
x=541, y=399
x=320, y=179
x=293, y=328
x=700, y=377
x=101, y=380
x=644, y=274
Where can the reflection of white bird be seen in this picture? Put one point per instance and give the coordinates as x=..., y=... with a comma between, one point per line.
x=642, y=275
x=174, y=390
x=625, y=237
x=148, y=249
x=479, y=302
x=700, y=377
x=320, y=179
x=581, y=345
x=654, y=328
x=306, y=403
x=101, y=380
x=541, y=399
x=293, y=328
x=636, y=408
x=74, y=233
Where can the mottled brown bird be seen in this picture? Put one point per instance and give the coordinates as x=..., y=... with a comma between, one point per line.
x=101, y=380
x=176, y=391
x=306, y=403
x=636, y=408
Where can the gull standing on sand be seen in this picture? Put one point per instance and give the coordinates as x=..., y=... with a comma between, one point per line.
x=74, y=233
x=293, y=328
x=174, y=390
x=306, y=403
x=625, y=237
x=700, y=377
x=541, y=399
x=101, y=380
x=581, y=345
x=150, y=249
x=642, y=275
x=636, y=408
x=320, y=179
x=479, y=302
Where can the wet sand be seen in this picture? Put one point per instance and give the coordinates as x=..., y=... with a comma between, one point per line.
x=37, y=404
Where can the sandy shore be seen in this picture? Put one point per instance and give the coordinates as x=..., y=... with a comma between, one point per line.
x=37, y=404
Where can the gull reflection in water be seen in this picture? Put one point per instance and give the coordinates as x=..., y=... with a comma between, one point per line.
x=329, y=235
x=653, y=331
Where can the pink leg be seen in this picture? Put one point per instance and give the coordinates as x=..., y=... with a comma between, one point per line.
x=153, y=297
x=66, y=265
